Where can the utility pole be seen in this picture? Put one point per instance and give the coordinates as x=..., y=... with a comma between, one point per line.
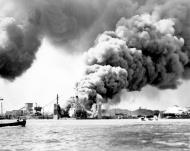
x=1, y=105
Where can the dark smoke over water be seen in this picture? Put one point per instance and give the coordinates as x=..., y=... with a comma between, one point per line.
x=152, y=48
x=143, y=42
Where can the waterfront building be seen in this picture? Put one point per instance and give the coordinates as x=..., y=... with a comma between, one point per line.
x=175, y=111
x=14, y=114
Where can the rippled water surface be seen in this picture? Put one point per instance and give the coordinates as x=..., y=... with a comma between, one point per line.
x=97, y=135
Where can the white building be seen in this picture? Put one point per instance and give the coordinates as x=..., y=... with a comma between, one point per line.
x=175, y=110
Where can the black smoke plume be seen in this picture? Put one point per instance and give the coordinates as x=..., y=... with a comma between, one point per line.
x=149, y=45
x=151, y=48
x=72, y=24
x=18, y=45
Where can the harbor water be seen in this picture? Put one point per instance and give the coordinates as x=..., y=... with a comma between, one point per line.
x=97, y=135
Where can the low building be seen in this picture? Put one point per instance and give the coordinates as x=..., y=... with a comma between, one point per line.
x=175, y=111
x=14, y=114
x=29, y=108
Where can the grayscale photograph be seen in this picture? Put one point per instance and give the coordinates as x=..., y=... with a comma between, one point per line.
x=94, y=75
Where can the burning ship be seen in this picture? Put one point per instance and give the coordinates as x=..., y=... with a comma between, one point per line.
x=78, y=110
x=143, y=50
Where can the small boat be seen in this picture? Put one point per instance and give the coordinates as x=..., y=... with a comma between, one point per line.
x=149, y=118
x=18, y=123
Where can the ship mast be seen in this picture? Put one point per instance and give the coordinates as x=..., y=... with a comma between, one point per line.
x=57, y=99
x=1, y=99
x=57, y=106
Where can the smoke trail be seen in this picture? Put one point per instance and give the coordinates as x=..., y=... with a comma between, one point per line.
x=152, y=48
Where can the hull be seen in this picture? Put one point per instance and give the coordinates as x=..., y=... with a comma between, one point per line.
x=19, y=123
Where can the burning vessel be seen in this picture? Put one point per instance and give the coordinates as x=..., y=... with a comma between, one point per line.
x=79, y=111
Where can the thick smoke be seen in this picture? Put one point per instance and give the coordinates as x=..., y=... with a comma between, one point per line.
x=76, y=22
x=102, y=82
x=66, y=23
x=152, y=49
x=18, y=45
x=149, y=45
